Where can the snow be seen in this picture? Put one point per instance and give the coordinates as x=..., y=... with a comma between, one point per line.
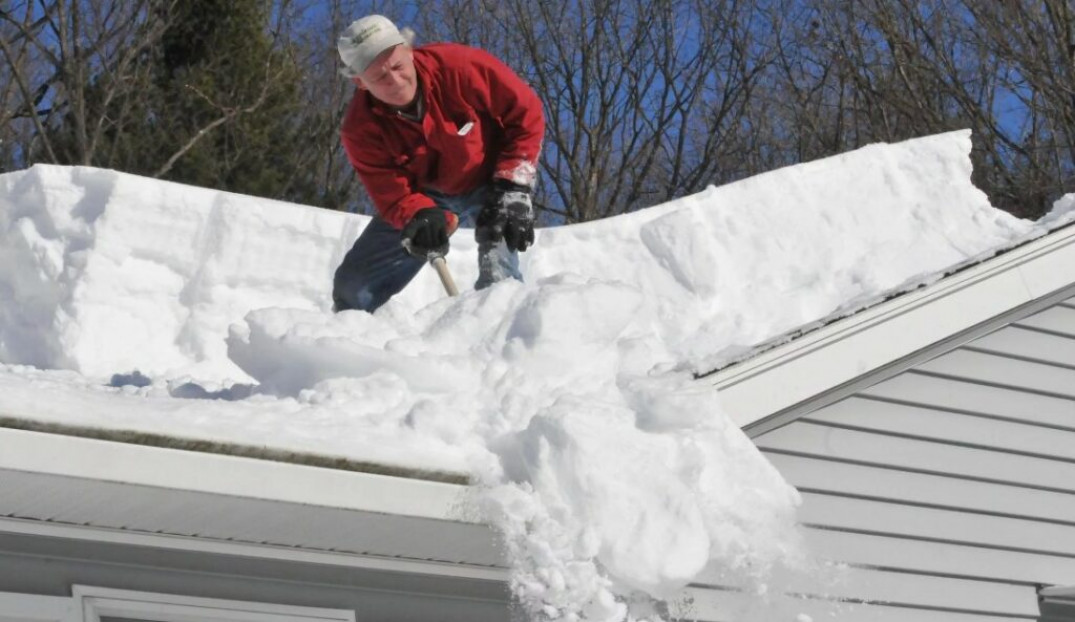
x=615, y=479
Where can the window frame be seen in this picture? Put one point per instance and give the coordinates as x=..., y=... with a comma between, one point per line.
x=93, y=603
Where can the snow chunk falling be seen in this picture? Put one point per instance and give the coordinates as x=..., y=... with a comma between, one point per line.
x=610, y=482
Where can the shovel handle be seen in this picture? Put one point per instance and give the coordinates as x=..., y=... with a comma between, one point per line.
x=446, y=280
x=436, y=258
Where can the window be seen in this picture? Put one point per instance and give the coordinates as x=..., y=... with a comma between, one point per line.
x=104, y=605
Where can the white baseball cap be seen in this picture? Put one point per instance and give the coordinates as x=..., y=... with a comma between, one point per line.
x=364, y=40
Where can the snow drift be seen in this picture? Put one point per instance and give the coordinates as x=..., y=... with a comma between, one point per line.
x=615, y=480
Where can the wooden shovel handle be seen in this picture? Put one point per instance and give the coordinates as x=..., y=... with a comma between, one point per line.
x=446, y=280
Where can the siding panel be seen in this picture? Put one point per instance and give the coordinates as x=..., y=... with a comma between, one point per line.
x=1004, y=371
x=1017, y=341
x=940, y=558
x=819, y=474
x=868, y=448
x=941, y=524
x=946, y=426
x=976, y=398
x=855, y=584
x=1058, y=319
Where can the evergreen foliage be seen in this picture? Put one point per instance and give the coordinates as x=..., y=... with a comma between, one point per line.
x=216, y=90
x=217, y=60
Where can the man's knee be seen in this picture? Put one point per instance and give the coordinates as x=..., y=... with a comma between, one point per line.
x=356, y=298
x=349, y=292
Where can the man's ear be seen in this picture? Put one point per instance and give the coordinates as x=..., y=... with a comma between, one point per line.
x=358, y=82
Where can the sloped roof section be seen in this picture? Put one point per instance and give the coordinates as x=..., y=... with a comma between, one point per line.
x=779, y=381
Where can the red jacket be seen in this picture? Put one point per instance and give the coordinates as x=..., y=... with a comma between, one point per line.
x=397, y=159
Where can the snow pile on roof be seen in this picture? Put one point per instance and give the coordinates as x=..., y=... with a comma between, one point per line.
x=614, y=479
x=110, y=272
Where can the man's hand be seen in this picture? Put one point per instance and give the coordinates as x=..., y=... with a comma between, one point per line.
x=508, y=215
x=428, y=232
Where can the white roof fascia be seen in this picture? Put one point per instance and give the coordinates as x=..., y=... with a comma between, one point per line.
x=756, y=390
x=33, y=527
x=124, y=463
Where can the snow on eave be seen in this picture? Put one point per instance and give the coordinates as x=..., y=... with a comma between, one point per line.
x=789, y=376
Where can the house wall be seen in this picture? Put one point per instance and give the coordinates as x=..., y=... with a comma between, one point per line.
x=949, y=489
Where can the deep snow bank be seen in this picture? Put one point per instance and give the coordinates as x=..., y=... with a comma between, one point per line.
x=103, y=272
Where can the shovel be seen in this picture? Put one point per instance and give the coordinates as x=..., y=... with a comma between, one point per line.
x=436, y=258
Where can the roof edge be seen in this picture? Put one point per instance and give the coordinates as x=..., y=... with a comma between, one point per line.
x=135, y=437
x=179, y=469
x=261, y=551
x=769, y=390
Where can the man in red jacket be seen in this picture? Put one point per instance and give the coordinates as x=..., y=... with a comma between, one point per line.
x=438, y=134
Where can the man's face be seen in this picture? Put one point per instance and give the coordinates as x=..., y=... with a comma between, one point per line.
x=391, y=77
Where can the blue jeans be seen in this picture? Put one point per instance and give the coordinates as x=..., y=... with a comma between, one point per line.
x=377, y=268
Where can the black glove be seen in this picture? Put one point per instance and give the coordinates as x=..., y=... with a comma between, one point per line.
x=508, y=215
x=427, y=232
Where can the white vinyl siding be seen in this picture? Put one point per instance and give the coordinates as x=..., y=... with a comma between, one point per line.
x=957, y=476
x=1058, y=320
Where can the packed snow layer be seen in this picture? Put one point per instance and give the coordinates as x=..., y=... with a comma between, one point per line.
x=613, y=477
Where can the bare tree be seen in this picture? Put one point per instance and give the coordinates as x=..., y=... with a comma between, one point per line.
x=25, y=84
x=860, y=71
x=73, y=60
x=1033, y=42
x=641, y=97
x=314, y=28
x=645, y=101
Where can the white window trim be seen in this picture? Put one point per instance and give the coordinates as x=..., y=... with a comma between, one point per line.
x=95, y=602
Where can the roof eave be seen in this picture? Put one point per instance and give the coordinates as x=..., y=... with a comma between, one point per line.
x=105, y=492
x=781, y=384
x=175, y=469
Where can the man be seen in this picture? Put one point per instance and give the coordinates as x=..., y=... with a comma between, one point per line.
x=437, y=134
